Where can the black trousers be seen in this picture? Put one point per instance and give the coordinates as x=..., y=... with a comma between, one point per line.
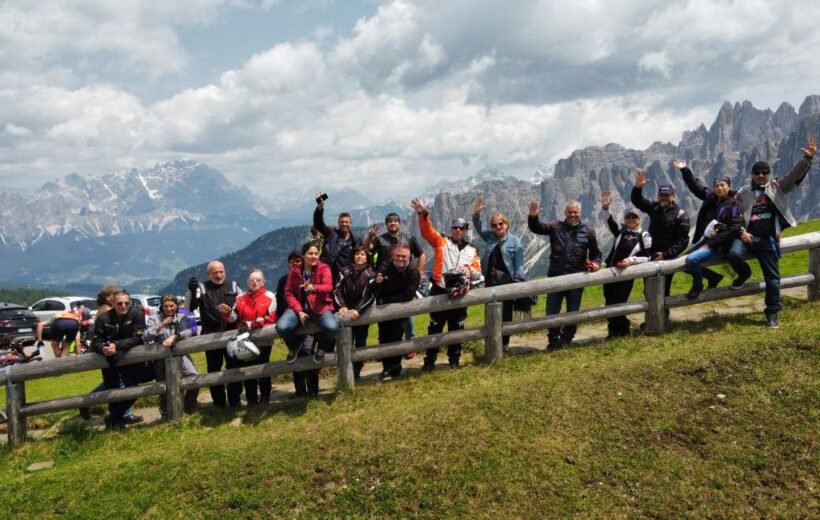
x=215, y=359
x=256, y=390
x=307, y=382
x=390, y=332
x=454, y=319
x=111, y=378
x=615, y=293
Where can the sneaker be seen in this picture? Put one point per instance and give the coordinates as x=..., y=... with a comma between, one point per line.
x=132, y=419
x=293, y=354
x=318, y=356
x=714, y=281
x=694, y=292
x=738, y=282
x=772, y=322
x=384, y=375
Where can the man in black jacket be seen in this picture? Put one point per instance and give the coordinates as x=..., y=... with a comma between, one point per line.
x=339, y=242
x=397, y=283
x=573, y=249
x=116, y=332
x=669, y=224
x=214, y=299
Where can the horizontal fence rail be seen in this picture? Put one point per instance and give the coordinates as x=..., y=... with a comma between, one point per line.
x=653, y=307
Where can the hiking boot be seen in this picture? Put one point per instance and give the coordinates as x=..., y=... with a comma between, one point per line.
x=694, y=292
x=772, y=322
x=132, y=419
x=738, y=282
x=713, y=280
x=318, y=356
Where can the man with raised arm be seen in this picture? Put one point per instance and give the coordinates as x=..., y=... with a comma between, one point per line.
x=573, y=249
x=214, y=299
x=339, y=242
x=766, y=213
x=450, y=253
x=668, y=223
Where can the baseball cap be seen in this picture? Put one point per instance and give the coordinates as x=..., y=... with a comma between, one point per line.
x=666, y=189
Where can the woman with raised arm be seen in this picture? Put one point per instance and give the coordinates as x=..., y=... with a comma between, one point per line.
x=503, y=260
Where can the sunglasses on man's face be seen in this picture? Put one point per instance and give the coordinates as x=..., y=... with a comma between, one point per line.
x=122, y=304
x=458, y=228
x=763, y=174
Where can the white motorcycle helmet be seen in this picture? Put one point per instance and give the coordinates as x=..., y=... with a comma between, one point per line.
x=242, y=349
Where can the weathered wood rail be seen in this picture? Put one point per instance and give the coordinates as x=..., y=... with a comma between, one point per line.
x=653, y=307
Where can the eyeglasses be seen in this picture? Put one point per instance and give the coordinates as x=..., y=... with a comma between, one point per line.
x=255, y=279
x=458, y=228
x=760, y=173
x=122, y=304
x=498, y=224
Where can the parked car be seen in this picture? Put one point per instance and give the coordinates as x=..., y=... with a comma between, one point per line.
x=149, y=302
x=48, y=307
x=15, y=321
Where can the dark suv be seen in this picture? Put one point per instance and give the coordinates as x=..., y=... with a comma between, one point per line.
x=16, y=320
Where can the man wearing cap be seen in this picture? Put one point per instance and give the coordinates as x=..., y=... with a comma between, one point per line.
x=706, y=213
x=381, y=247
x=720, y=232
x=450, y=253
x=631, y=247
x=766, y=213
x=573, y=249
x=668, y=223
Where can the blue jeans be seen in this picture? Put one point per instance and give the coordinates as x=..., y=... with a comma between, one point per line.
x=326, y=321
x=695, y=260
x=767, y=253
x=554, y=300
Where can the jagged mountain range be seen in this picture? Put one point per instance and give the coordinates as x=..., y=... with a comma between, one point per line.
x=739, y=136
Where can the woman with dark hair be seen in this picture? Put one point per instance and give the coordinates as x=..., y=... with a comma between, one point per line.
x=308, y=294
x=353, y=295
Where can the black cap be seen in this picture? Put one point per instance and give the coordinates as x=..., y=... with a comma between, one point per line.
x=666, y=189
x=761, y=166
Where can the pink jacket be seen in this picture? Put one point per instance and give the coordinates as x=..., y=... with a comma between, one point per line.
x=319, y=301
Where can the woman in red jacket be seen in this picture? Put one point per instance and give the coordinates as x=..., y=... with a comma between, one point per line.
x=308, y=293
x=253, y=310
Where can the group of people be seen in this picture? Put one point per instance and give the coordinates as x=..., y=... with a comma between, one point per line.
x=341, y=273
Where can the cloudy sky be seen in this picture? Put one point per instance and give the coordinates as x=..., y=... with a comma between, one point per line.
x=384, y=97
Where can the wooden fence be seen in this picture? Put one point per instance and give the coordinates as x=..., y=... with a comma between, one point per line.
x=654, y=307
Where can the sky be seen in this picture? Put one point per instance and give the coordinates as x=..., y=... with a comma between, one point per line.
x=385, y=97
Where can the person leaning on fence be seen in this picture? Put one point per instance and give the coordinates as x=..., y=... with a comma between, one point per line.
x=453, y=253
x=167, y=326
x=353, y=295
x=254, y=309
x=766, y=213
x=573, y=249
x=214, y=299
x=503, y=260
x=308, y=293
x=631, y=247
x=115, y=332
x=381, y=246
x=668, y=223
x=718, y=236
x=397, y=283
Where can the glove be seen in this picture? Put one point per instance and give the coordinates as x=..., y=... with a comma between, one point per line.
x=193, y=283
x=243, y=327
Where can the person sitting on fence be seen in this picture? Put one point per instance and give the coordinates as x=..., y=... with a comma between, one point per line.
x=167, y=326
x=453, y=253
x=254, y=309
x=766, y=213
x=668, y=223
x=395, y=284
x=214, y=299
x=573, y=249
x=306, y=342
x=353, y=295
x=631, y=247
x=308, y=293
x=116, y=332
x=719, y=234
x=503, y=260
x=381, y=246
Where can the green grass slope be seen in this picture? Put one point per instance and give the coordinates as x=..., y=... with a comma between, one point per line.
x=716, y=419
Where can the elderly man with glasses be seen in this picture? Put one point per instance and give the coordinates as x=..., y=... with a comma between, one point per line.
x=116, y=332
x=450, y=253
x=766, y=213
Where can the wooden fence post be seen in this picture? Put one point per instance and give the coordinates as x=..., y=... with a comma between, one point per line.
x=15, y=399
x=493, y=344
x=173, y=388
x=814, y=268
x=655, y=316
x=344, y=350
